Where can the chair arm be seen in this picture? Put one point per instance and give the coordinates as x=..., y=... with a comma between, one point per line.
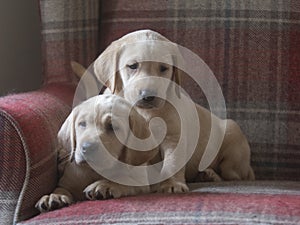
x=29, y=123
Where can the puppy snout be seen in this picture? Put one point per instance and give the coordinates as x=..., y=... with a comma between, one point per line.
x=88, y=146
x=148, y=95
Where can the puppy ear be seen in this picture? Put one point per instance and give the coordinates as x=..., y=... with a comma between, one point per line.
x=106, y=67
x=138, y=125
x=139, y=129
x=67, y=135
x=176, y=77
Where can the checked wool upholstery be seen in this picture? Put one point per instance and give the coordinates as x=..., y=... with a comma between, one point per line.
x=202, y=206
x=253, y=49
x=29, y=122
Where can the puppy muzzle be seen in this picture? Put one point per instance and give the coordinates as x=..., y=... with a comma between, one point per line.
x=148, y=99
x=87, y=149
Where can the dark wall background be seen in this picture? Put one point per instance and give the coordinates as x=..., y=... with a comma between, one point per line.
x=20, y=51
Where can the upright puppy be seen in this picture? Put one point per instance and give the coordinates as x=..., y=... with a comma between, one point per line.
x=87, y=134
x=137, y=66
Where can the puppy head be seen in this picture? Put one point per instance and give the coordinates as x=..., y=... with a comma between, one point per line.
x=133, y=60
x=96, y=123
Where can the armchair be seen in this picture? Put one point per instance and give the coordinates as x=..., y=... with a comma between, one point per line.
x=253, y=48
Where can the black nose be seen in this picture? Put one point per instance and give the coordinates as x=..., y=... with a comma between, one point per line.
x=88, y=146
x=148, y=95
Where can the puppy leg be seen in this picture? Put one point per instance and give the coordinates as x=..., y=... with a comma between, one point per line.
x=236, y=163
x=230, y=173
x=231, y=169
x=104, y=189
x=176, y=183
x=208, y=175
x=56, y=200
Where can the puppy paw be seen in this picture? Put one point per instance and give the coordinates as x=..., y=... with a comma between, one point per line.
x=52, y=202
x=172, y=186
x=208, y=175
x=104, y=189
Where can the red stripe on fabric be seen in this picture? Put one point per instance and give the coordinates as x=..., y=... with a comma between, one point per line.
x=38, y=115
x=12, y=160
x=242, y=203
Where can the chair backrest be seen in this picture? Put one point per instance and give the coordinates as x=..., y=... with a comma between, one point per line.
x=253, y=48
x=69, y=32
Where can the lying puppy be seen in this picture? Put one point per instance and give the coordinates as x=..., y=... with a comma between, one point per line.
x=89, y=125
x=130, y=67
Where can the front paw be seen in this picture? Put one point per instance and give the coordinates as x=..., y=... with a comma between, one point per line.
x=104, y=189
x=172, y=186
x=52, y=202
x=208, y=175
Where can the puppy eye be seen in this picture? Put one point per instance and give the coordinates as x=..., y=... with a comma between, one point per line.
x=82, y=124
x=163, y=68
x=133, y=66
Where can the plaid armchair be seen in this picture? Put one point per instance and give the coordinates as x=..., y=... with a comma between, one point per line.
x=253, y=48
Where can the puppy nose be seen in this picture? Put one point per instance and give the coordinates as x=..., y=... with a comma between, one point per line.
x=88, y=146
x=147, y=95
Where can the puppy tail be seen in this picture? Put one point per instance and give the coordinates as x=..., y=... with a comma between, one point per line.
x=78, y=69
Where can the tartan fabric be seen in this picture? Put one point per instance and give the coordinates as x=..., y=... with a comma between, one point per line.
x=69, y=32
x=11, y=180
x=253, y=48
x=228, y=203
x=29, y=124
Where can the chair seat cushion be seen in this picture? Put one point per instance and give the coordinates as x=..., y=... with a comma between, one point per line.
x=211, y=203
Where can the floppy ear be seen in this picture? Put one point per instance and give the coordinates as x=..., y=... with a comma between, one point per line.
x=138, y=125
x=176, y=77
x=106, y=67
x=67, y=135
x=139, y=128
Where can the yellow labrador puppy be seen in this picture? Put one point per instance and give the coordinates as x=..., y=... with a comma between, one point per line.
x=91, y=127
x=137, y=67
